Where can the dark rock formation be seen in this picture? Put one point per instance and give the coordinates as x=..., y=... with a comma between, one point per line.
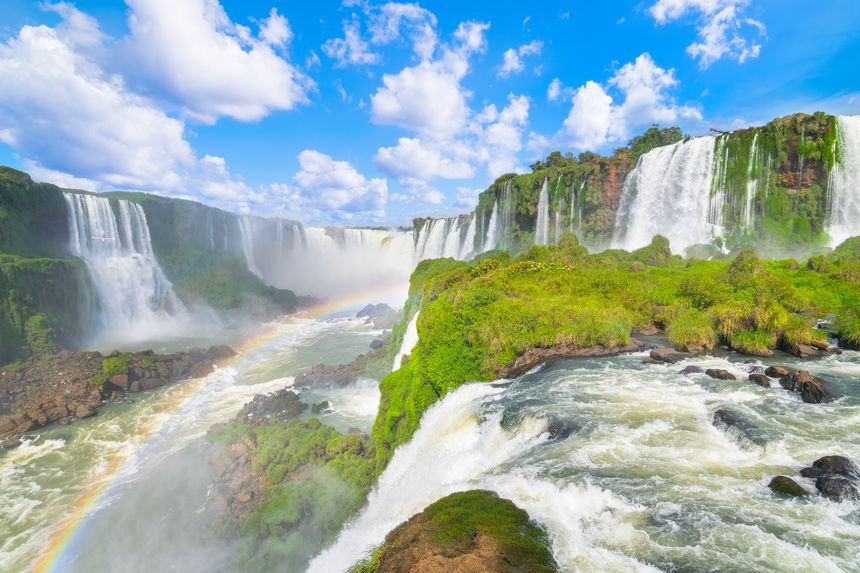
x=777, y=371
x=812, y=389
x=836, y=478
x=787, y=486
x=737, y=426
x=321, y=407
x=760, y=379
x=720, y=374
x=370, y=365
x=669, y=355
x=539, y=355
x=836, y=465
x=691, y=370
x=561, y=429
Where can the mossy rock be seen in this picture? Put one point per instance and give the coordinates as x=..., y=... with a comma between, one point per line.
x=472, y=530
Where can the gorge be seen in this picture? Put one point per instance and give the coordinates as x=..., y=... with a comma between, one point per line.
x=519, y=365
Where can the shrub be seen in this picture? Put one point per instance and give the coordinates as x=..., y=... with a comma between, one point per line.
x=99, y=379
x=692, y=327
x=848, y=328
x=113, y=365
x=798, y=331
x=731, y=318
x=755, y=342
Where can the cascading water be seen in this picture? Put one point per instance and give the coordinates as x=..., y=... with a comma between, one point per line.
x=669, y=194
x=410, y=339
x=134, y=295
x=452, y=246
x=247, y=232
x=844, y=182
x=752, y=185
x=542, y=223
x=469, y=241
x=492, y=239
x=509, y=204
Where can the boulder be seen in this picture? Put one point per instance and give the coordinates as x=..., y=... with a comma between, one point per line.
x=376, y=344
x=835, y=465
x=649, y=360
x=737, y=426
x=151, y=383
x=777, y=371
x=786, y=485
x=321, y=407
x=119, y=380
x=803, y=351
x=837, y=488
x=812, y=389
x=84, y=411
x=6, y=425
x=760, y=379
x=560, y=429
x=720, y=374
x=10, y=443
x=691, y=370
x=669, y=355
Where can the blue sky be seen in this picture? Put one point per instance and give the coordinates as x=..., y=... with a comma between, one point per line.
x=372, y=113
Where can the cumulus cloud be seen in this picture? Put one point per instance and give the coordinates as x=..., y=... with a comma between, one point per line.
x=512, y=60
x=412, y=157
x=723, y=28
x=351, y=49
x=467, y=197
x=191, y=54
x=325, y=184
x=557, y=91
x=596, y=119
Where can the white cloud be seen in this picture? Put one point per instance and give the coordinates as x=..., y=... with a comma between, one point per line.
x=191, y=54
x=394, y=20
x=595, y=119
x=325, y=184
x=351, y=49
x=467, y=198
x=413, y=158
x=512, y=62
x=723, y=29
x=557, y=91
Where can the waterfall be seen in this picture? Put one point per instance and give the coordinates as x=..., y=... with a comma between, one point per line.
x=492, y=229
x=558, y=226
x=410, y=339
x=246, y=230
x=752, y=184
x=669, y=193
x=844, y=182
x=134, y=295
x=509, y=204
x=469, y=241
x=452, y=239
x=431, y=240
x=542, y=225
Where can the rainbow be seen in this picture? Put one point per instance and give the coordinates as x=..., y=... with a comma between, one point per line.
x=73, y=526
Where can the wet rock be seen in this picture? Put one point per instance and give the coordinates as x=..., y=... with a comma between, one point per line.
x=786, y=485
x=802, y=351
x=151, y=383
x=546, y=355
x=720, y=374
x=649, y=360
x=669, y=355
x=376, y=344
x=282, y=406
x=6, y=425
x=777, y=371
x=84, y=411
x=10, y=443
x=837, y=488
x=836, y=465
x=119, y=380
x=691, y=370
x=380, y=315
x=560, y=429
x=736, y=425
x=760, y=379
x=321, y=407
x=812, y=389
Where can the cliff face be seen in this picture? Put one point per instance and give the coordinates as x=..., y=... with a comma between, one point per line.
x=33, y=216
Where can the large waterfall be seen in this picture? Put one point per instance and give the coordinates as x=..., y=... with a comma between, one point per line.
x=542, y=223
x=134, y=296
x=669, y=194
x=845, y=182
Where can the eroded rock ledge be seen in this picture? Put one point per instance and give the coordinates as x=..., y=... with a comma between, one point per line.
x=72, y=385
x=535, y=356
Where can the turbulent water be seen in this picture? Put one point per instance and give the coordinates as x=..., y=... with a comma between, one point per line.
x=150, y=455
x=134, y=296
x=845, y=182
x=644, y=482
x=410, y=339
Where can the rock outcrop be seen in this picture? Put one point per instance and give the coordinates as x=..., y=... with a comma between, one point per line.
x=812, y=389
x=543, y=355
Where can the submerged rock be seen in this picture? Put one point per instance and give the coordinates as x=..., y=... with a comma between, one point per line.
x=466, y=532
x=670, y=355
x=691, y=370
x=735, y=424
x=560, y=429
x=836, y=477
x=837, y=465
x=720, y=374
x=837, y=488
x=787, y=486
x=760, y=379
x=812, y=389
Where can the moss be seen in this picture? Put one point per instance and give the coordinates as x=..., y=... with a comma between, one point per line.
x=99, y=379
x=114, y=365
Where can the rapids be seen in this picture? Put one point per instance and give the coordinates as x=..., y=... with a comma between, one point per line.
x=644, y=482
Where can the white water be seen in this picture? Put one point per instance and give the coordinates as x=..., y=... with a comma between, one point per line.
x=752, y=185
x=669, y=193
x=247, y=232
x=542, y=223
x=645, y=482
x=844, y=187
x=410, y=339
x=452, y=246
x=492, y=239
x=135, y=298
x=469, y=241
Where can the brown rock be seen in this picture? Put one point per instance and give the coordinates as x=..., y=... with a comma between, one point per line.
x=669, y=355
x=720, y=374
x=777, y=371
x=10, y=443
x=85, y=411
x=812, y=389
x=6, y=424
x=760, y=379
x=119, y=380
x=787, y=486
x=151, y=383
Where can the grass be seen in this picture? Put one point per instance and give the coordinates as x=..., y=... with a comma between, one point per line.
x=114, y=365
x=692, y=328
x=754, y=342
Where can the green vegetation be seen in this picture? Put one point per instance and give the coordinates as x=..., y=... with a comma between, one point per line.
x=113, y=365
x=44, y=304
x=450, y=527
x=33, y=216
x=477, y=318
x=315, y=479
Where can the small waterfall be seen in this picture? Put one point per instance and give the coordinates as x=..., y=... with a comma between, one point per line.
x=752, y=184
x=469, y=241
x=542, y=224
x=509, y=205
x=134, y=295
x=410, y=339
x=247, y=232
x=669, y=193
x=558, y=226
x=844, y=182
x=492, y=239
